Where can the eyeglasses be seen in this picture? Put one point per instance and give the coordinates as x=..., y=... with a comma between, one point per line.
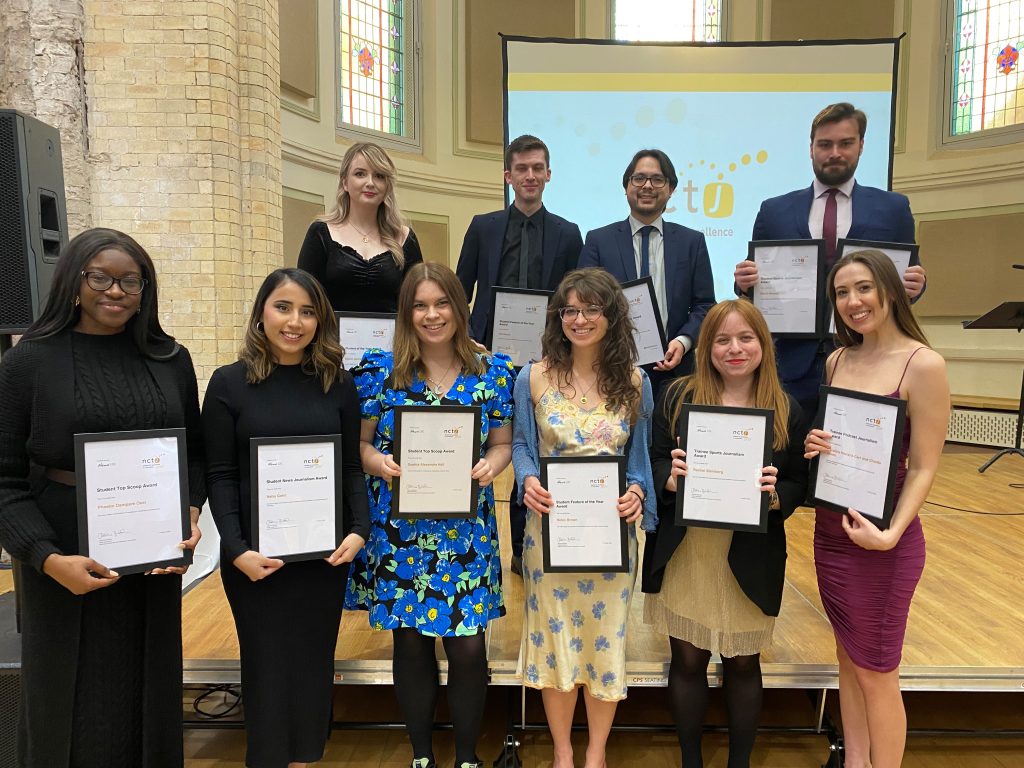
x=569, y=314
x=639, y=179
x=99, y=281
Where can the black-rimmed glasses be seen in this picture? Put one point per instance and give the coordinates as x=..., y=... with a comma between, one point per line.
x=99, y=281
x=639, y=179
x=569, y=314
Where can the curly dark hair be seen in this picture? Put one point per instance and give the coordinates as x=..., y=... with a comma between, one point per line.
x=618, y=354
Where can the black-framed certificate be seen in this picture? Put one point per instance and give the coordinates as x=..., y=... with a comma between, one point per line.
x=295, y=496
x=132, y=498
x=360, y=331
x=860, y=472
x=437, y=447
x=517, y=323
x=726, y=450
x=790, y=287
x=648, y=330
x=583, y=531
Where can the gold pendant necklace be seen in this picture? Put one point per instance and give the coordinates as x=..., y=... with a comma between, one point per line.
x=366, y=237
x=583, y=397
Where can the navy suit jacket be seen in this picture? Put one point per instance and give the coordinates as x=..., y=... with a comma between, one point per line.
x=480, y=260
x=689, y=285
x=877, y=215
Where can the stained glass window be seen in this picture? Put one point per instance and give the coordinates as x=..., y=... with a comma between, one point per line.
x=665, y=20
x=987, y=90
x=375, y=57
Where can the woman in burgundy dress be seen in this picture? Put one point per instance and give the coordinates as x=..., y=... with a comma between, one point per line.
x=361, y=250
x=867, y=576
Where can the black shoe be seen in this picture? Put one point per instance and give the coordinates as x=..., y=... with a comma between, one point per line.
x=516, y=566
x=423, y=762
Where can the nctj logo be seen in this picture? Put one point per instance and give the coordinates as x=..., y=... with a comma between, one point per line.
x=311, y=461
x=716, y=198
x=150, y=461
x=451, y=432
x=873, y=422
x=741, y=434
x=598, y=482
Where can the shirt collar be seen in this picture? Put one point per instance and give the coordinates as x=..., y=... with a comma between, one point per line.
x=635, y=225
x=514, y=214
x=846, y=188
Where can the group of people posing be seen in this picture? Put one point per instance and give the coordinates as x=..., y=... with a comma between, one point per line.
x=102, y=652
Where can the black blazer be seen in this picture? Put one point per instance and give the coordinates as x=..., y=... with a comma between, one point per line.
x=480, y=260
x=758, y=561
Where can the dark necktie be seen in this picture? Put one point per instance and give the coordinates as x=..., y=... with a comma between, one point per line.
x=828, y=227
x=645, y=250
x=524, y=255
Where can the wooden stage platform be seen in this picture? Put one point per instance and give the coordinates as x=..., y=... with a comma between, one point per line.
x=965, y=631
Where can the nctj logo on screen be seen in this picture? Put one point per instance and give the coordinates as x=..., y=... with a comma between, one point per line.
x=714, y=198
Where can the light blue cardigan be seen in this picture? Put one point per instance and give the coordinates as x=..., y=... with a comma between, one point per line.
x=526, y=447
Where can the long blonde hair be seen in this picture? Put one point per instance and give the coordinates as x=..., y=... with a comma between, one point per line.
x=406, y=344
x=389, y=217
x=705, y=386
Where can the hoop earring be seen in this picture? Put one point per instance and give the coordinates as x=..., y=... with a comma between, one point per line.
x=259, y=326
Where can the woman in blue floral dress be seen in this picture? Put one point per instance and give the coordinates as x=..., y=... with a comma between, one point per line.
x=423, y=578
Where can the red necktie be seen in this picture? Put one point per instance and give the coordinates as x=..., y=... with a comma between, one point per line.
x=828, y=227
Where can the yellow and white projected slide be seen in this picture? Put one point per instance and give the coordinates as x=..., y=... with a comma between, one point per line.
x=734, y=118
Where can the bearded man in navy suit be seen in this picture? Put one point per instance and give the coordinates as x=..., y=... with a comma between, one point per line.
x=675, y=257
x=522, y=246
x=860, y=213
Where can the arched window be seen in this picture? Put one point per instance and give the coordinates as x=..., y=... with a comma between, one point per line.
x=985, y=90
x=664, y=20
x=377, y=64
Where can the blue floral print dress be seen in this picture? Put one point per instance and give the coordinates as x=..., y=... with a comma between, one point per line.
x=575, y=627
x=439, y=577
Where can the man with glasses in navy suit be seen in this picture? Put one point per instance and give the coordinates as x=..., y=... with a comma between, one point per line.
x=675, y=257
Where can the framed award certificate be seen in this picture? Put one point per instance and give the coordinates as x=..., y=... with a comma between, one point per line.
x=437, y=447
x=517, y=323
x=295, y=496
x=360, y=331
x=900, y=254
x=583, y=531
x=726, y=449
x=860, y=472
x=648, y=330
x=132, y=498
x=790, y=290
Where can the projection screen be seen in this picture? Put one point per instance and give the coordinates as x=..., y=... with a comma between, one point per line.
x=733, y=117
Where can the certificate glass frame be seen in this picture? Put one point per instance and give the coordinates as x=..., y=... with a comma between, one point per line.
x=723, y=428
x=807, y=325
x=524, y=309
x=648, y=331
x=431, y=426
x=891, y=415
x=309, y=450
x=363, y=331
x=131, y=456
x=567, y=472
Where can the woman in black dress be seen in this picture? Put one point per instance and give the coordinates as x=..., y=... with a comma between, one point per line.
x=101, y=654
x=288, y=381
x=360, y=251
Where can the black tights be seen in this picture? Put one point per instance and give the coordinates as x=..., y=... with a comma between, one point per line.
x=414, y=668
x=688, y=691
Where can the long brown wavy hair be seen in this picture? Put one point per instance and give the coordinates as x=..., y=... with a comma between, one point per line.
x=704, y=386
x=322, y=357
x=389, y=217
x=618, y=354
x=406, y=345
x=891, y=293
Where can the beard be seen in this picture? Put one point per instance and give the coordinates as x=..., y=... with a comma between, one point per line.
x=834, y=175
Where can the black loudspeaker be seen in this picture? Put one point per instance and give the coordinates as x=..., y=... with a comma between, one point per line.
x=33, y=216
